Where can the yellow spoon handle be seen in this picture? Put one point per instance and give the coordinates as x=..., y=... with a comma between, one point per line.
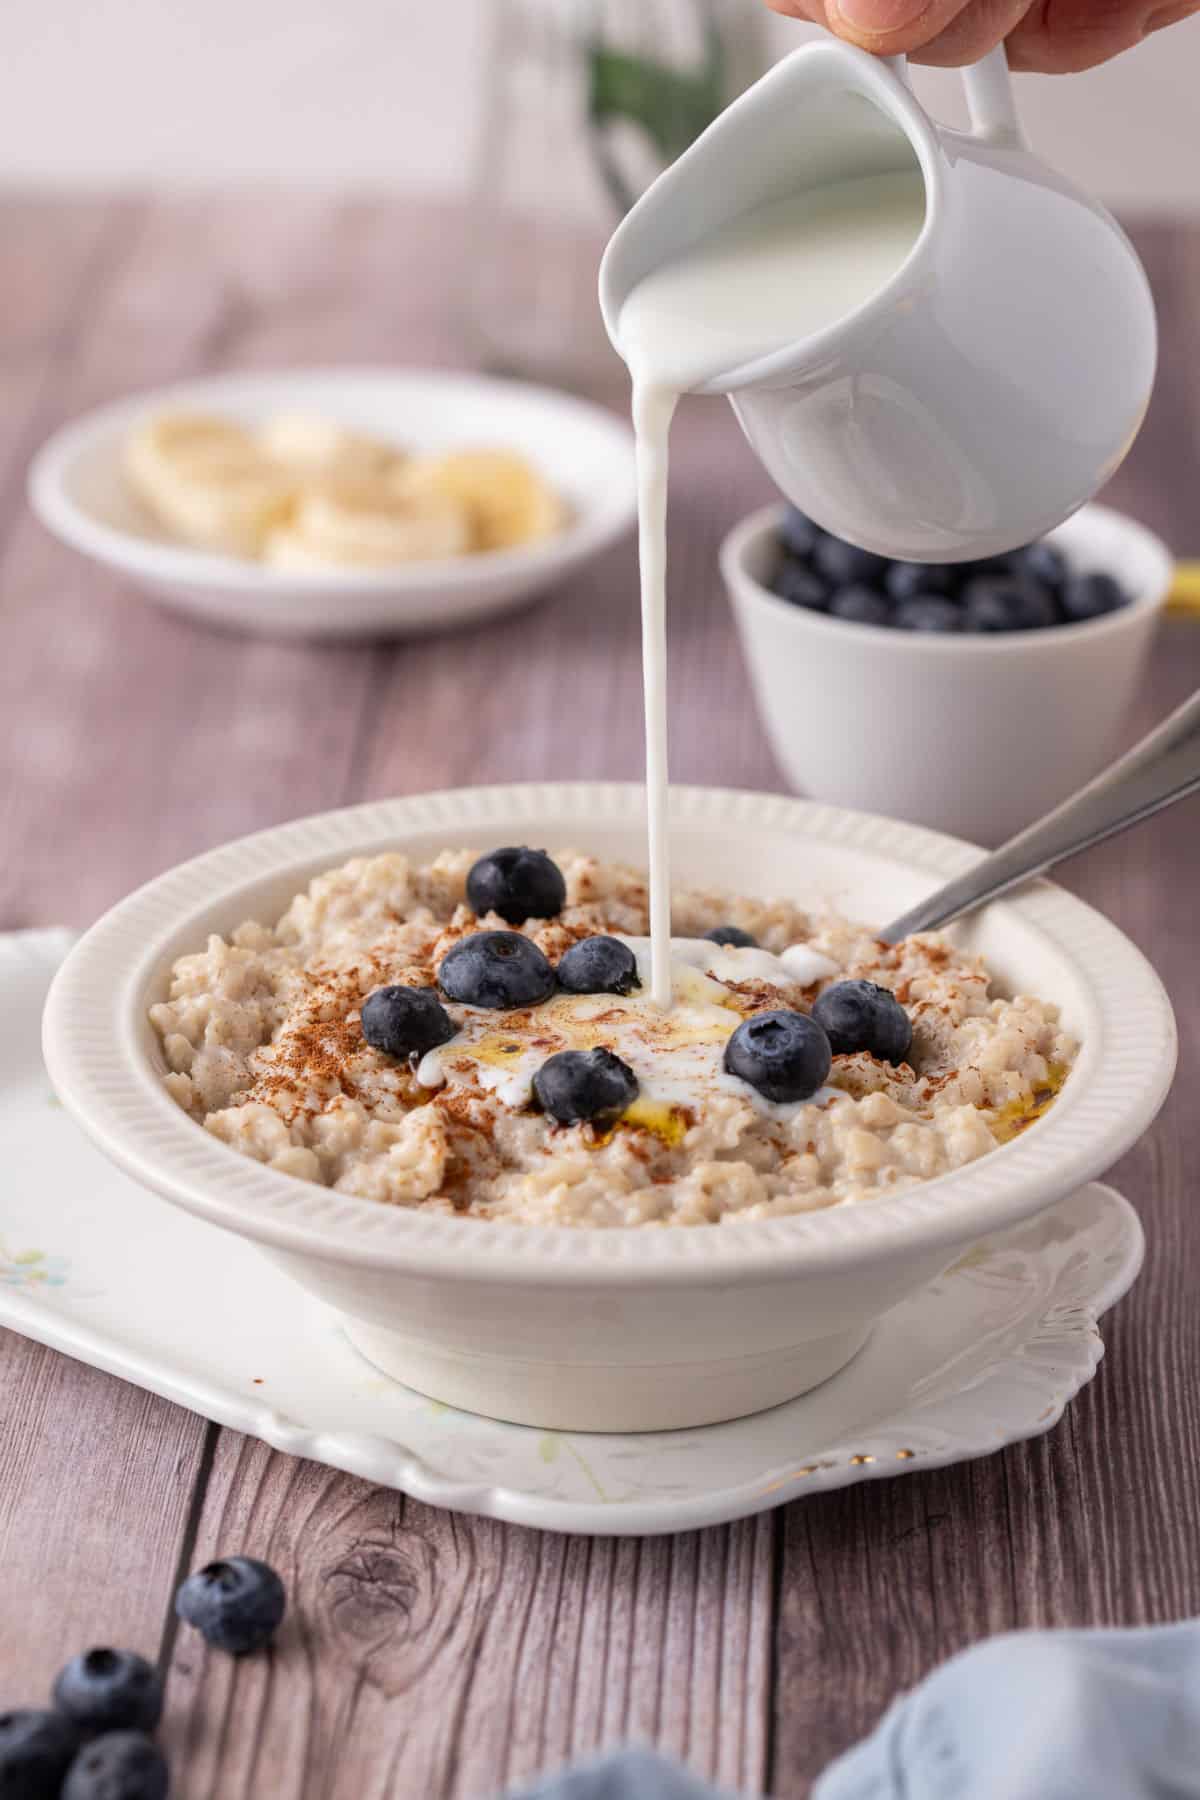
x=1185, y=588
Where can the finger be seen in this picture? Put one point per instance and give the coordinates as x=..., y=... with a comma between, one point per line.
x=885, y=27
x=1078, y=34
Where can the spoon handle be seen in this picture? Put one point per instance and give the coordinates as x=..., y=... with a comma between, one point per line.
x=1163, y=768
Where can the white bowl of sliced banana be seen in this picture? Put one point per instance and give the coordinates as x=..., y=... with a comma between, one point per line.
x=340, y=503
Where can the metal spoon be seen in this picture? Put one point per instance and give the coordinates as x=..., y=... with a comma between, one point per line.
x=1163, y=768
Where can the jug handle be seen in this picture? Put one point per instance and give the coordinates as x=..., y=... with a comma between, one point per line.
x=990, y=100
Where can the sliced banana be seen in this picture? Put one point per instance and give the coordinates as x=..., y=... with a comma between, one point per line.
x=506, y=499
x=314, y=446
x=369, y=522
x=207, y=481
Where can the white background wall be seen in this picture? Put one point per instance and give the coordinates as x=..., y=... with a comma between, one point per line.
x=384, y=92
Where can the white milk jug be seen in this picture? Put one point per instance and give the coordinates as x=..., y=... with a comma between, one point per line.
x=938, y=347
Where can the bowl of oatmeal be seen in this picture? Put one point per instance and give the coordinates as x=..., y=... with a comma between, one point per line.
x=414, y=1058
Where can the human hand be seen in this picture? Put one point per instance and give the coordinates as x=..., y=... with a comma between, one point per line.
x=1053, y=36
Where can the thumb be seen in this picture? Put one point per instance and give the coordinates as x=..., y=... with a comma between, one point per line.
x=892, y=25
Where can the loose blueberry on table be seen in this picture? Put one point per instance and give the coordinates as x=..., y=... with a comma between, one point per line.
x=405, y=1021
x=235, y=1604
x=1024, y=590
x=109, y=1690
x=497, y=969
x=598, y=965
x=784, y=1055
x=36, y=1749
x=859, y=1015
x=518, y=884
x=122, y=1765
x=576, y=1086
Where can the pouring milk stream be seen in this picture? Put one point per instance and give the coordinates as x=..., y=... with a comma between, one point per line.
x=794, y=265
x=894, y=310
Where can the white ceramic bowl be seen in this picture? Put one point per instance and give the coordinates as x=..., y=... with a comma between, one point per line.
x=973, y=735
x=78, y=491
x=636, y=1328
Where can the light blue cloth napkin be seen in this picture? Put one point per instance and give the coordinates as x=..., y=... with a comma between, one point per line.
x=629, y=1775
x=1038, y=1715
x=1041, y=1715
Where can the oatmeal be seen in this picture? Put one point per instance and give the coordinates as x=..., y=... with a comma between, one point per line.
x=503, y=1071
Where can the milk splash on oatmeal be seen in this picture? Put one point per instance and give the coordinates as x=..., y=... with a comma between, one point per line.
x=765, y=280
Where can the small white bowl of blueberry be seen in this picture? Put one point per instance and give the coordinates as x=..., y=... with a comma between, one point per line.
x=966, y=696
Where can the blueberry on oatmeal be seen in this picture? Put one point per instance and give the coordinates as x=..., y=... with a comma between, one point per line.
x=732, y=937
x=499, y=969
x=405, y=1021
x=518, y=884
x=784, y=1055
x=579, y=1085
x=859, y=1015
x=599, y=965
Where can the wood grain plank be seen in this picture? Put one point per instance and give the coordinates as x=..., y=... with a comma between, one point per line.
x=96, y=1480
x=437, y=1655
x=95, y=1477
x=52, y=254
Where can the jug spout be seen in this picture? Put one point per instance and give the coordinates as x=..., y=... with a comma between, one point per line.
x=826, y=114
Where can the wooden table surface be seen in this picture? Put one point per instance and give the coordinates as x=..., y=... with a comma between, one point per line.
x=431, y=1654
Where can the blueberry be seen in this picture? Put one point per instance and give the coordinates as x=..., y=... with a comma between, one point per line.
x=123, y=1765
x=500, y=969
x=36, y=1749
x=800, y=587
x=1003, y=564
x=405, y=1021
x=109, y=1690
x=928, y=612
x=798, y=533
x=518, y=884
x=844, y=564
x=584, y=1084
x=1007, y=603
x=905, y=580
x=732, y=936
x=782, y=1054
x=235, y=1604
x=857, y=1015
x=1044, y=562
x=1091, y=596
x=599, y=965
x=860, y=605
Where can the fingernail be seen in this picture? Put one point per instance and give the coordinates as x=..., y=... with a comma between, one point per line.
x=878, y=18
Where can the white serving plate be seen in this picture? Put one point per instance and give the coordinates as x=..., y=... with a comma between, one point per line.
x=626, y=1329
x=77, y=489
x=91, y=1264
